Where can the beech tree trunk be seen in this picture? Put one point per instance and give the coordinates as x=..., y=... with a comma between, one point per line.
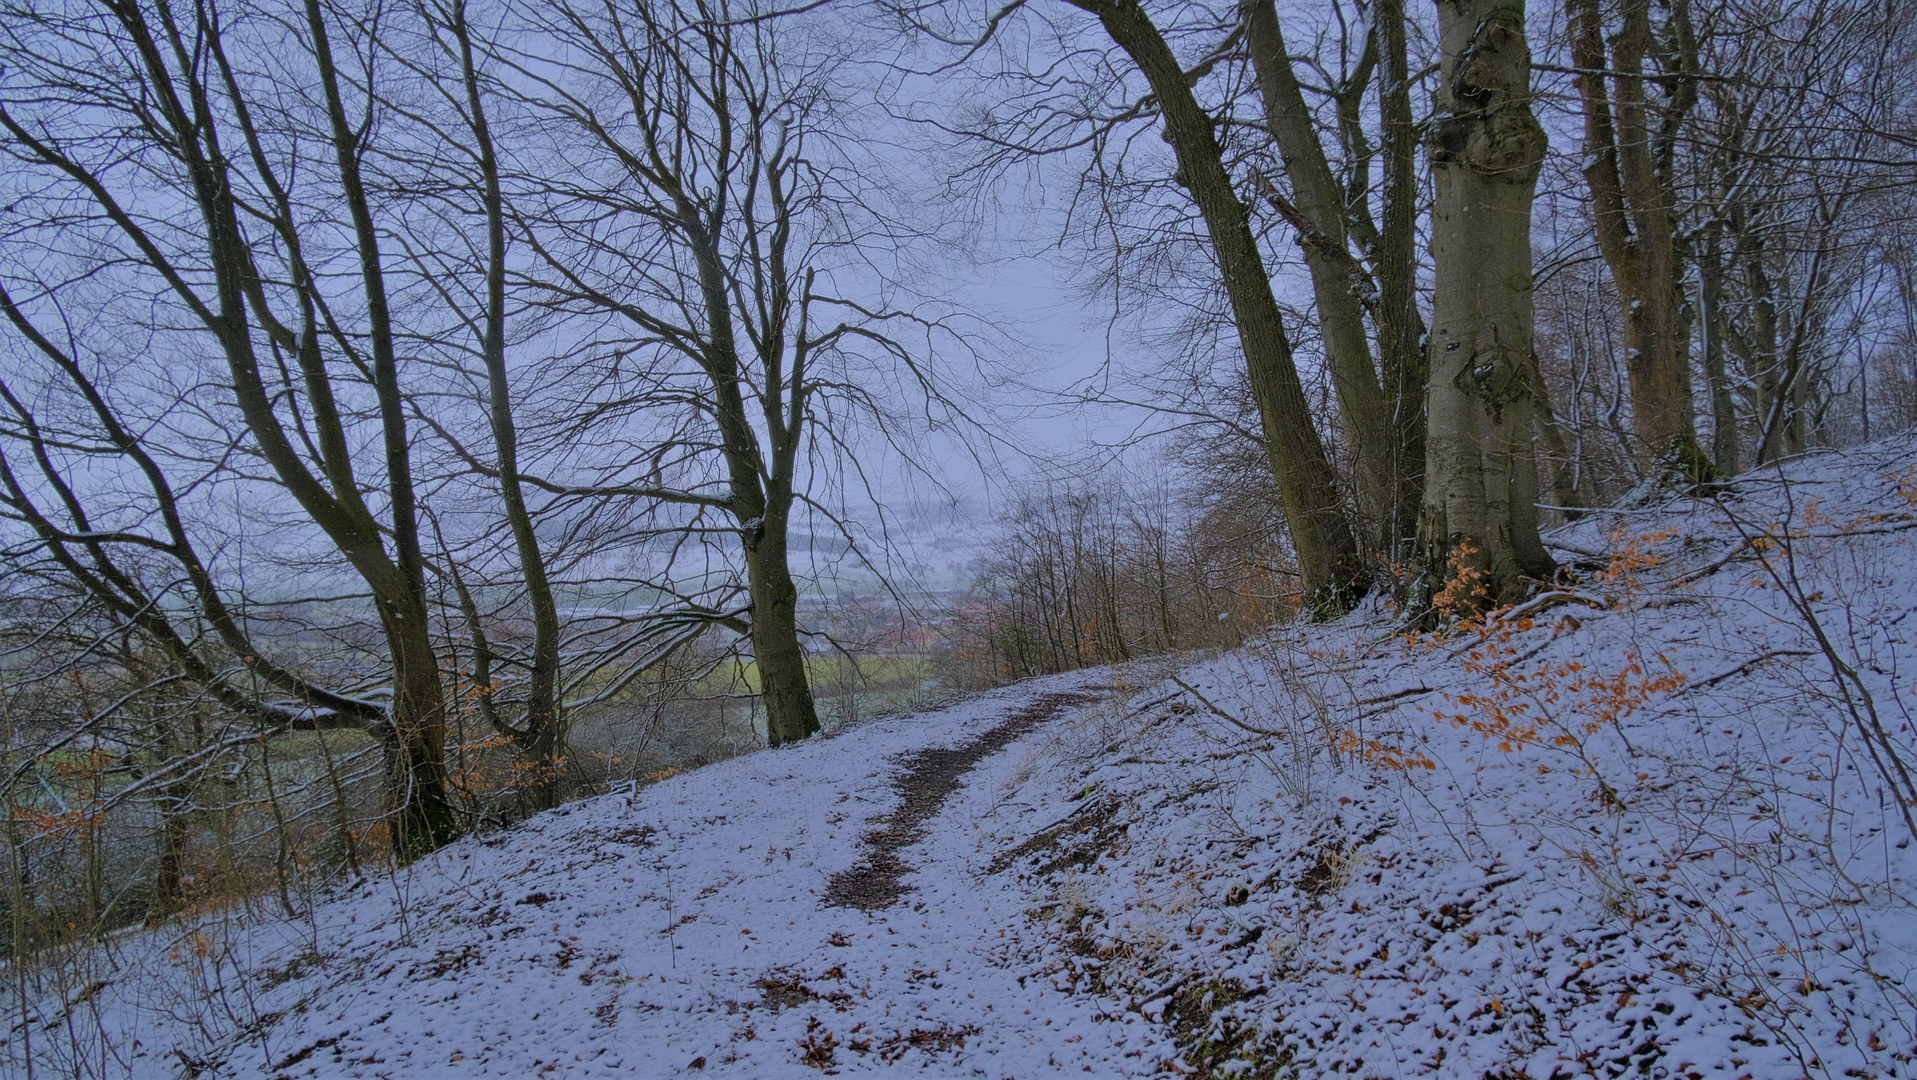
x=1634, y=207
x=784, y=685
x=1486, y=148
x=424, y=818
x=1395, y=266
x=1560, y=465
x=1333, y=572
x=761, y=493
x=1337, y=278
x=538, y=734
x=1724, y=440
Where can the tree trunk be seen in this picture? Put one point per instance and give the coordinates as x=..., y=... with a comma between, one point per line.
x=1395, y=267
x=789, y=711
x=1486, y=148
x=1724, y=440
x=761, y=500
x=1336, y=277
x=1634, y=205
x=539, y=734
x=1562, y=468
x=175, y=804
x=1332, y=571
x=762, y=504
x=1763, y=359
x=424, y=819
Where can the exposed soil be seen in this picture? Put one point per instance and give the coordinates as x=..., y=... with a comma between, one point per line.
x=927, y=778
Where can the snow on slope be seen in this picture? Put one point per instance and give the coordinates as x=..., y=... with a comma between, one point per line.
x=1718, y=884
x=1635, y=833
x=683, y=931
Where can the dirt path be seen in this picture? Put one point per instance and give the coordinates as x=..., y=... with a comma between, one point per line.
x=927, y=778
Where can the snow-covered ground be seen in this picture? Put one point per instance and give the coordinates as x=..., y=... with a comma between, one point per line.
x=1633, y=829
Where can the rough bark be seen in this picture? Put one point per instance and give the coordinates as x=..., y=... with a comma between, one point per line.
x=1486, y=149
x=1332, y=571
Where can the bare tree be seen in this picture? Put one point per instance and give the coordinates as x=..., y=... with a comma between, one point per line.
x=449, y=181
x=703, y=211
x=1125, y=564
x=1333, y=572
x=172, y=686
x=185, y=165
x=1738, y=155
x=1798, y=145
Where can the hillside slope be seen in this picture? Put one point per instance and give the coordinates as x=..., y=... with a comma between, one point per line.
x=1646, y=825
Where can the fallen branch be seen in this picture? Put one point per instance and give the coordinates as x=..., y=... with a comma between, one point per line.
x=1745, y=667
x=1222, y=714
x=1578, y=551
x=1546, y=601
x=1150, y=705
x=1413, y=692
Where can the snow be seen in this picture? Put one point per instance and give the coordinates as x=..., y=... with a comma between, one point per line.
x=1653, y=844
